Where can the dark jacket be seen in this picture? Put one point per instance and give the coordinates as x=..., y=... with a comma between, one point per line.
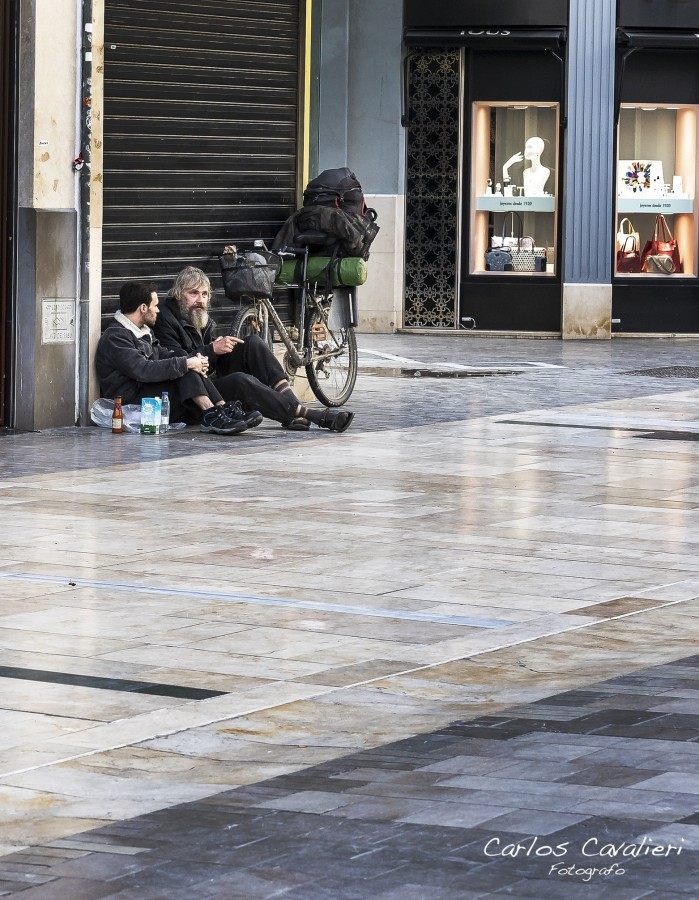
x=176, y=334
x=126, y=363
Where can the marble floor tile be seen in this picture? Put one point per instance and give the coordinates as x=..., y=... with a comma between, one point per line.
x=327, y=600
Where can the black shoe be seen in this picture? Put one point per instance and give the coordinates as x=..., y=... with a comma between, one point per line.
x=219, y=420
x=298, y=423
x=338, y=420
x=252, y=419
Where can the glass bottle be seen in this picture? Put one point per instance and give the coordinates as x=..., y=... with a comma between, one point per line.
x=117, y=417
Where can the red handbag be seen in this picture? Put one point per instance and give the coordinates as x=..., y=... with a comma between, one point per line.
x=663, y=244
x=628, y=257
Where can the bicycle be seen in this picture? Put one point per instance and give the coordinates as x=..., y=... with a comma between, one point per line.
x=321, y=339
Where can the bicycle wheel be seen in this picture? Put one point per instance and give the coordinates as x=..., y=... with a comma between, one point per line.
x=333, y=368
x=246, y=321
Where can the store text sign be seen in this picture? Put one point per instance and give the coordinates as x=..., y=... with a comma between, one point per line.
x=478, y=32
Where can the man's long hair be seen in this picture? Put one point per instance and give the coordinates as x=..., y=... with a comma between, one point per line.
x=189, y=277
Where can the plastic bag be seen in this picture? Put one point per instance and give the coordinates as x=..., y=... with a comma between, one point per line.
x=101, y=414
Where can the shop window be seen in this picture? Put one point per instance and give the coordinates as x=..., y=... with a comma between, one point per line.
x=655, y=189
x=513, y=189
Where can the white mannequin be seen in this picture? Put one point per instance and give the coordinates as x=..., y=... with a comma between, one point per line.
x=535, y=175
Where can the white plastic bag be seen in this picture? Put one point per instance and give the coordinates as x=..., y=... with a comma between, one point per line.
x=101, y=414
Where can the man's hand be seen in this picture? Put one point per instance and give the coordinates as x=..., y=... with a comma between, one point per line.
x=224, y=344
x=198, y=364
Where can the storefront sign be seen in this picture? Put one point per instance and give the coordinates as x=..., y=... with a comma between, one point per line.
x=669, y=205
x=492, y=203
x=662, y=14
x=485, y=13
x=476, y=32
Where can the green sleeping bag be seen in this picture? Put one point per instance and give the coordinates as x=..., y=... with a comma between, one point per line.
x=349, y=271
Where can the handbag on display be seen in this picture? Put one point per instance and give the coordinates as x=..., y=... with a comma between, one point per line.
x=659, y=265
x=521, y=247
x=514, y=252
x=539, y=260
x=498, y=260
x=510, y=240
x=662, y=244
x=628, y=256
x=523, y=258
x=622, y=236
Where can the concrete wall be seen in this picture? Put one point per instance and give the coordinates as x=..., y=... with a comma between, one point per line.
x=359, y=126
x=46, y=343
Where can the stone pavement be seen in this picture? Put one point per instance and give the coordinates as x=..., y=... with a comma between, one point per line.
x=451, y=653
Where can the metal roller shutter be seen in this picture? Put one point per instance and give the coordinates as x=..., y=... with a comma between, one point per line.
x=200, y=133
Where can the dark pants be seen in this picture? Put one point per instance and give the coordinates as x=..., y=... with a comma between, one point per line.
x=181, y=393
x=249, y=374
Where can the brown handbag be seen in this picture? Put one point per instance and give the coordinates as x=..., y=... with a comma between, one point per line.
x=662, y=244
x=628, y=257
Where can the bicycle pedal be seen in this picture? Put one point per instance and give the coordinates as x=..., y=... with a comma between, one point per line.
x=319, y=332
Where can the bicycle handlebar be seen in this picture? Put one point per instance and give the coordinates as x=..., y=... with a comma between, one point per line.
x=292, y=251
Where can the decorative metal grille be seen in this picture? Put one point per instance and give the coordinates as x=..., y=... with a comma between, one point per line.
x=434, y=108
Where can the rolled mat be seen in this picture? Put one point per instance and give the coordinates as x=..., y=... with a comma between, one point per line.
x=349, y=271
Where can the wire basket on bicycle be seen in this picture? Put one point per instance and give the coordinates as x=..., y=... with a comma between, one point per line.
x=248, y=274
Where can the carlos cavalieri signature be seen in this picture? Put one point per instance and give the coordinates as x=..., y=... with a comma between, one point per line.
x=593, y=847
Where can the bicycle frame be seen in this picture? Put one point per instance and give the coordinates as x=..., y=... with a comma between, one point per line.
x=299, y=355
x=327, y=352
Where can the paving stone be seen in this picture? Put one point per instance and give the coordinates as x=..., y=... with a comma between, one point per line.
x=410, y=818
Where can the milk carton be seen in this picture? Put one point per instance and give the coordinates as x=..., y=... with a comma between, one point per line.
x=150, y=415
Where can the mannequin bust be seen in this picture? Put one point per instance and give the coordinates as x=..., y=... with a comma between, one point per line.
x=535, y=175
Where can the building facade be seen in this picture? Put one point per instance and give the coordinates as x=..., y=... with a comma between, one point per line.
x=138, y=137
x=551, y=167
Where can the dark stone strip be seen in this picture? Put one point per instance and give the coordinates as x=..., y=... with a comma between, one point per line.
x=670, y=436
x=109, y=684
x=645, y=433
x=641, y=432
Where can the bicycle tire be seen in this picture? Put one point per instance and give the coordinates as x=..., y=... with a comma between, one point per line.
x=244, y=324
x=332, y=380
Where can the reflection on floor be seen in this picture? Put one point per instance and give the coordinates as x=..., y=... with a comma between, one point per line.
x=236, y=663
x=589, y=793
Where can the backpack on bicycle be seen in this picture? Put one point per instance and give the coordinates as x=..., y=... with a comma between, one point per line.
x=338, y=188
x=334, y=206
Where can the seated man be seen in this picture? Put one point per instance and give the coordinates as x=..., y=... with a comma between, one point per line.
x=130, y=364
x=247, y=370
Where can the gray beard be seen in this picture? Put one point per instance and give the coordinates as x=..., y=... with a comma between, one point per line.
x=199, y=318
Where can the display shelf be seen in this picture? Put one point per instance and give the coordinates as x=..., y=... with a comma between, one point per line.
x=491, y=203
x=516, y=145
x=656, y=175
x=656, y=205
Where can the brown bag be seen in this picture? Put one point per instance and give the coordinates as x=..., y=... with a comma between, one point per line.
x=662, y=244
x=628, y=257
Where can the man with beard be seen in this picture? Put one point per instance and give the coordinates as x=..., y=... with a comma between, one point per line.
x=243, y=370
x=132, y=365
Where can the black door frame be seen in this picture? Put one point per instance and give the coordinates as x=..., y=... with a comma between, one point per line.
x=518, y=296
